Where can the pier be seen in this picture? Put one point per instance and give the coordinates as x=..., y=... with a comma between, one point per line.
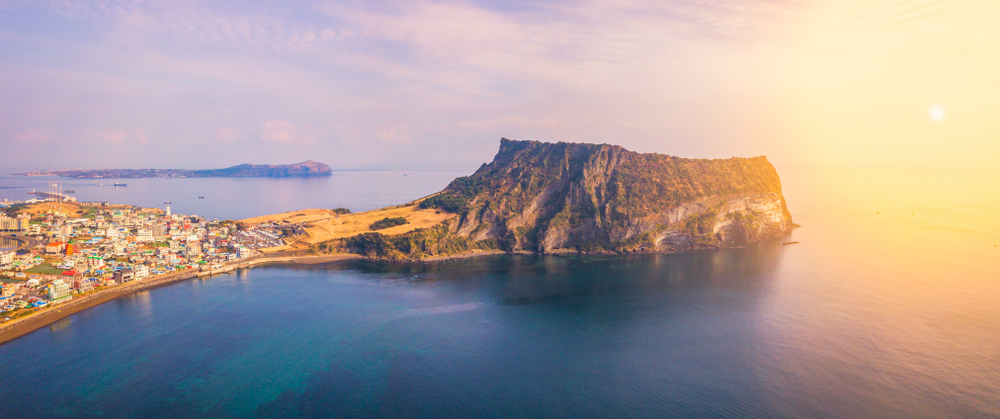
x=58, y=197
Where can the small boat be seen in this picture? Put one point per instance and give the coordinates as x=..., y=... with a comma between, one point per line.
x=788, y=243
x=166, y=202
x=69, y=191
x=201, y=197
x=121, y=184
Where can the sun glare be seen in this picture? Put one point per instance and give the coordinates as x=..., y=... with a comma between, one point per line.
x=937, y=113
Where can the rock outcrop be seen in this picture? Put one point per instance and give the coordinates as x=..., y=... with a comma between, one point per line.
x=544, y=197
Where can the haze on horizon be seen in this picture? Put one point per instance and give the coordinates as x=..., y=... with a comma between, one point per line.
x=426, y=84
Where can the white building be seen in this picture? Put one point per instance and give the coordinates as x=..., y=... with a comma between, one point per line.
x=140, y=272
x=144, y=235
x=94, y=262
x=59, y=291
x=6, y=259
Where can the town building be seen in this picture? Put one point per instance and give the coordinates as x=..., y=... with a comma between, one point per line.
x=55, y=247
x=95, y=262
x=159, y=230
x=6, y=260
x=83, y=285
x=124, y=275
x=59, y=291
x=140, y=272
x=14, y=225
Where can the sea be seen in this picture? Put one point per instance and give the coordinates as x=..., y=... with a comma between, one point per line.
x=888, y=306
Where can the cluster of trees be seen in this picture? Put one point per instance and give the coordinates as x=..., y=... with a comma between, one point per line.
x=10, y=211
x=387, y=222
x=455, y=198
x=422, y=242
x=341, y=211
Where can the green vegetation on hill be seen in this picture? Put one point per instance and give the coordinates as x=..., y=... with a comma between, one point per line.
x=416, y=244
x=341, y=211
x=12, y=210
x=387, y=222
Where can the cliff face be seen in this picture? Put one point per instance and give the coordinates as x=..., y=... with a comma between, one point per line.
x=597, y=197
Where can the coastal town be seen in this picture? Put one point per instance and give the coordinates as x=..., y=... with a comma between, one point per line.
x=54, y=250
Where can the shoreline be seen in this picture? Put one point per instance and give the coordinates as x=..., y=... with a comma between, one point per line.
x=22, y=326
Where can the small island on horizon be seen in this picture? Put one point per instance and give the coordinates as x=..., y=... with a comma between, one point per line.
x=304, y=169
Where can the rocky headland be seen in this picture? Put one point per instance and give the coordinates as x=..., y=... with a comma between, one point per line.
x=557, y=197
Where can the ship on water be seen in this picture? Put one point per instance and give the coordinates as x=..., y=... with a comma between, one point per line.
x=121, y=184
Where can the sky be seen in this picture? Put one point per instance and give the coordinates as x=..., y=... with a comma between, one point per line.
x=435, y=84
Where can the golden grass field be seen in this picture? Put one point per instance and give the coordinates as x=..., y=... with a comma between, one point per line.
x=69, y=208
x=322, y=225
x=73, y=209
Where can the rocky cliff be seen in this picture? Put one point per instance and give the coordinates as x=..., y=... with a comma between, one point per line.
x=545, y=197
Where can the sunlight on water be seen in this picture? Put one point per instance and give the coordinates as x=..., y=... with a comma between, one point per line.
x=887, y=307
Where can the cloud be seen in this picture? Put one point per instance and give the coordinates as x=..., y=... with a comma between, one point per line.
x=226, y=135
x=280, y=131
x=32, y=136
x=390, y=135
x=121, y=136
x=684, y=76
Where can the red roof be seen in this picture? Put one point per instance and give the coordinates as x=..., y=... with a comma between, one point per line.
x=69, y=273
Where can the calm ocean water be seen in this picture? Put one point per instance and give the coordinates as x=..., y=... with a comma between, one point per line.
x=238, y=198
x=888, y=307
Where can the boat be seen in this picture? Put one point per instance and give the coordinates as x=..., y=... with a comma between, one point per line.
x=166, y=202
x=121, y=184
x=69, y=191
x=201, y=197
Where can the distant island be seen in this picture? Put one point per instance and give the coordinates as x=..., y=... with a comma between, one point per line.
x=563, y=197
x=306, y=168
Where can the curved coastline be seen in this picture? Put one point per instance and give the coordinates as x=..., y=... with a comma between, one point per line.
x=16, y=328
x=24, y=325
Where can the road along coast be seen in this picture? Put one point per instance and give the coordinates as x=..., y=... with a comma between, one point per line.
x=23, y=325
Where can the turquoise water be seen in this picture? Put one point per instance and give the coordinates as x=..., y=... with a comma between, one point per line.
x=888, y=307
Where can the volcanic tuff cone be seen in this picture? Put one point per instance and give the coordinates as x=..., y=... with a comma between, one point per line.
x=544, y=197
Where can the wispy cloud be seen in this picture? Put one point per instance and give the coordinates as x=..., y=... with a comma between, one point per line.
x=281, y=131
x=684, y=77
